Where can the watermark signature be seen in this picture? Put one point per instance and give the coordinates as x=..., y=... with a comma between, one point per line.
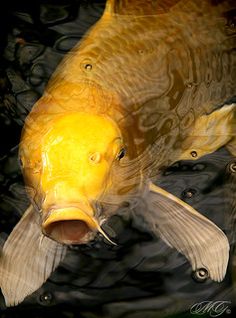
x=214, y=308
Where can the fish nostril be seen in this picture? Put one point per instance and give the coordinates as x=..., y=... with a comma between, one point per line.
x=95, y=157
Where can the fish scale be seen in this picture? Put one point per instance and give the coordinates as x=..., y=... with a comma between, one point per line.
x=199, y=96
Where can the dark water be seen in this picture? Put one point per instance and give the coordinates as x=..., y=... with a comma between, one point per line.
x=141, y=276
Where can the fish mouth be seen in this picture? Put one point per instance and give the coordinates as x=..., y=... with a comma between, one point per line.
x=71, y=226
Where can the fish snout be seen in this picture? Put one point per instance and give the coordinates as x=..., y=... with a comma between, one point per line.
x=70, y=225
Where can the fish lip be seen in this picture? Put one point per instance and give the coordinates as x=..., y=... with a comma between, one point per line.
x=58, y=223
x=96, y=211
x=57, y=212
x=87, y=222
x=46, y=213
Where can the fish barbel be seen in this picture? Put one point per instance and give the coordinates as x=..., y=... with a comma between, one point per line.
x=147, y=86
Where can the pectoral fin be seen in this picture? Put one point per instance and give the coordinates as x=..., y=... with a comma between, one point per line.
x=27, y=259
x=192, y=234
x=211, y=132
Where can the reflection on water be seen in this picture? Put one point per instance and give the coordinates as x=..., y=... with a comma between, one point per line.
x=141, y=275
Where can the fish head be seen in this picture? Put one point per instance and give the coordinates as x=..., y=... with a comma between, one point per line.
x=67, y=168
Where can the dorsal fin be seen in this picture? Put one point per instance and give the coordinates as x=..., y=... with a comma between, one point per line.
x=139, y=7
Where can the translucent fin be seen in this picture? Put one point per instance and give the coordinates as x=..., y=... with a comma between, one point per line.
x=192, y=234
x=27, y=259
x=210, y=133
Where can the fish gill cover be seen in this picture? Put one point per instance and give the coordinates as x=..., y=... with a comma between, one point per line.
x=141, y=275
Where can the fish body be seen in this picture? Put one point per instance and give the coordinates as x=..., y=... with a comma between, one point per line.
x=124, y=103
x=154, y=73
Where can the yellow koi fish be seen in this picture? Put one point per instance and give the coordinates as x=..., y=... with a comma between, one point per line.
x=144, y=88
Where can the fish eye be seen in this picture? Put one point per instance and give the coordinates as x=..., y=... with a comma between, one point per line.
x=121, y=154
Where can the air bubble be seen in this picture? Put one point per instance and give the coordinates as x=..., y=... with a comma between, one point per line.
x=46, y=298
x=189, y=193
x=232, y=167
x=193, y=154
x=88, y=67
x=200, y=275
x=189, y=85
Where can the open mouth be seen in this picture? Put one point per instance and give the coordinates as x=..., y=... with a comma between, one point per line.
x=68, y=232
x=69, y=225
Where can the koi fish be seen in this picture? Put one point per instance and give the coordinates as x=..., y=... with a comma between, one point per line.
x=146, y=87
